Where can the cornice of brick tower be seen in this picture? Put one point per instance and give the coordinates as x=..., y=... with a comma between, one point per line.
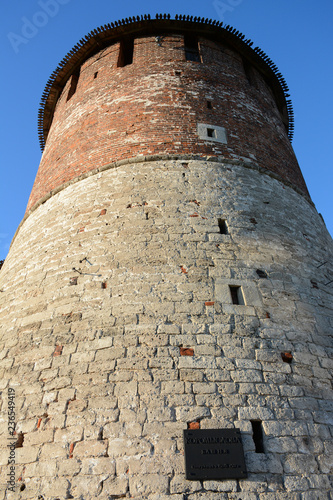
x=97, y=109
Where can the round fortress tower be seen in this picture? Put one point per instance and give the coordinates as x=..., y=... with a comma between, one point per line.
x=171, y=274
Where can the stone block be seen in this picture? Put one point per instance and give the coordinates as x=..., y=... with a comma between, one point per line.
x=102, y=466
x=179, y=484
x=102, y=402
x=292, y=464
x=120, y=447
x=80, y=485
x=55, y=487
x=263, y=463
x=38, y=437
x=51, y=451
x=246, y=376
x=151, y=483
x=69, y=467
x=69, y=435
x=115, y=487
x=204, y=388
x=26, y=454
x=227, y=486
x=91, y=448
x=190, y=413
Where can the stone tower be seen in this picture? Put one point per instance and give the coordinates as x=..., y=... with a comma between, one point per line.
x=171, y=274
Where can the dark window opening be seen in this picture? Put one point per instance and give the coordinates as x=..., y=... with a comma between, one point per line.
x=191, y=48
x=236, y=295
x=258, y=437
x=95, y=75
x=249, y=73
x=72, y=85
x=125, y=53
x=261, y=273
x=209, y=105
x=222, y=226
x=211, y=132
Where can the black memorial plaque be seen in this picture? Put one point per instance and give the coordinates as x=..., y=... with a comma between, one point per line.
x=214, y=454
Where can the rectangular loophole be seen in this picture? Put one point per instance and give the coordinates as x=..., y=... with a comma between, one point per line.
x=222, y=226
x=249, y=73
x=211, y=132
x=191, y=48
x=257, y=435
x=236, y=295
x=209, y=105
x=72, y=86
x=126, y=50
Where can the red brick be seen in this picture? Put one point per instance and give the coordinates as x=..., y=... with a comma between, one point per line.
x=194, y=425
x=186, y=351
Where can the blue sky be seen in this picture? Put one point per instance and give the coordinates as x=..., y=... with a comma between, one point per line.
x=36, y=34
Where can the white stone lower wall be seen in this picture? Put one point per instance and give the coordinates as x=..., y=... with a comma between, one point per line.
x=118, y=331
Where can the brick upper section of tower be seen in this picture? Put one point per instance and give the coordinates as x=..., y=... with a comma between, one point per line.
x=167, y=90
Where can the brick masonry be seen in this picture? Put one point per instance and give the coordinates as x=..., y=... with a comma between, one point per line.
x=107, y=378
x=154, y=106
